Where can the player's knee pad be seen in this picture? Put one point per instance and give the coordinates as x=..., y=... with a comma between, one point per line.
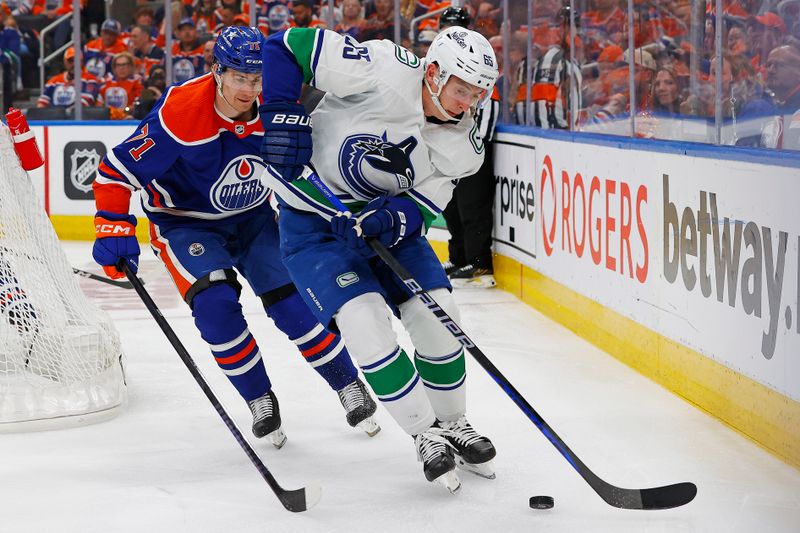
x=218, y=313
x=221, y=276
x=365, y=323
x=429, y=336
x=290, y=313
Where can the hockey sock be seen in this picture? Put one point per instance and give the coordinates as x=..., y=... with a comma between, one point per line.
x=366, y=326
x=439, y=357
x=445, y=383
x=218, y=315
x=323, y=350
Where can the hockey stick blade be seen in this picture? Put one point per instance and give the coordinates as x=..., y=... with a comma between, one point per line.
x=102, y=279
x=665, y=497
x=297, y=500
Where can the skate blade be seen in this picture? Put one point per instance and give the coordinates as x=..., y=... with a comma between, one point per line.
x=480, y=282
x=450, y=481
x=485, y=470
x=369, y=426
x=277, y=438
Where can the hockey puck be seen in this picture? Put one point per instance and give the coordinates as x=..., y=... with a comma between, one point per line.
x=541, y=502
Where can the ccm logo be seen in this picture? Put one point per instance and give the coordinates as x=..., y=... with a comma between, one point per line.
x=112, y=229
x=283, y=118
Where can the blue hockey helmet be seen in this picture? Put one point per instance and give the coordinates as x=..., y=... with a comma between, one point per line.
x=239, y=48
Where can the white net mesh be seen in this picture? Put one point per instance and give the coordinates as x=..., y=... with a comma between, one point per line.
x=59, y=355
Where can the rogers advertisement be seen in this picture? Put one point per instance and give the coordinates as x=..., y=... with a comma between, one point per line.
x=702, y=250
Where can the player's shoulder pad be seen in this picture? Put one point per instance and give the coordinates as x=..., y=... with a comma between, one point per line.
x=187, y=112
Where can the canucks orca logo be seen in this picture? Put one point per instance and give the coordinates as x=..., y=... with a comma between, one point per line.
x=381, y=155
x=239, y=186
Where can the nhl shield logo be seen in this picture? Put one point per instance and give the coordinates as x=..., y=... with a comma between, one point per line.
x=82, y=168
x=239, y=129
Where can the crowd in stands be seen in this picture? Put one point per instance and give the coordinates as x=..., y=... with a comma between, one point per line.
x=576, y=78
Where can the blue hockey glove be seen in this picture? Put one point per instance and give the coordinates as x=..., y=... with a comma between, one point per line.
x=390, y=219
x=287, y=145
x=345, y=227
x=115, y=239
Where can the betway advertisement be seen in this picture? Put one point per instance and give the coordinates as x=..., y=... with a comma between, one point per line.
x=704, y=251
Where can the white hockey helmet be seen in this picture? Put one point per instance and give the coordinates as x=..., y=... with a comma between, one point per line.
x=465, y=54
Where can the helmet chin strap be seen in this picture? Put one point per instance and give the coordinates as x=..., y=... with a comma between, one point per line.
x=435, y=96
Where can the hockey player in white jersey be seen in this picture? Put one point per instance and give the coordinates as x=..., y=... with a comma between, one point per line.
x=389, y=137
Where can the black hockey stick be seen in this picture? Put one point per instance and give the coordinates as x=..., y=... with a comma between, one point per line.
x=103, y=279
x=665, y=497
x=297, y=500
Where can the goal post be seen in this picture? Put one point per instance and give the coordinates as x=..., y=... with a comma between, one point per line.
x=60, y=358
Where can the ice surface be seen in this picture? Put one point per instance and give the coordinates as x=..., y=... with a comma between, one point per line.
x=168, y=464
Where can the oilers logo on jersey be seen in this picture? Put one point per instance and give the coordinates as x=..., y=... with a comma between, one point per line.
x=240, y=187
x=383, y=157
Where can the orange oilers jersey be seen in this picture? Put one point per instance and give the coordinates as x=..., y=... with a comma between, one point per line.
x=120, y=93
x=97, y=58
x=194, y=165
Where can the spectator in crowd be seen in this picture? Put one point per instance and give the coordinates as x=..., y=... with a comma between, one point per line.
x=352, y=21
x=736, y=42
x=303, y=15
x=16, y=7
x=605, y=24
x=122, y=87
x=156, y=82
x=380, y=24
x=204, y=17
x=224, y=16
x=241, y=20
x=487, y=17
x=144, y=16
x=765, y=33
x=99, y=52
x=178, y=14
x=59, y=91
x=144, y=50
x=274, y=16
x=667, y=92
x=423, y=42
x=612, y=77
x=187, y=53
x=10, y=46
x=780, y=102
x=208, y=55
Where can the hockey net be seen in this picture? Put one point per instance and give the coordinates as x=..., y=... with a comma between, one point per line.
x=60, y=357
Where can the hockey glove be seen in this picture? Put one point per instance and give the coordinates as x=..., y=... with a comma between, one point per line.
x=115, y=239
x=390, y=219
x=286, y=146
x=345, y=227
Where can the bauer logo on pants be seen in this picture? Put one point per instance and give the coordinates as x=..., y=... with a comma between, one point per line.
x=80, y=168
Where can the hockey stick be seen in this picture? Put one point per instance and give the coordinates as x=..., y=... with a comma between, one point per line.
x=113, y=282
x=665, y=497
x=294, y=500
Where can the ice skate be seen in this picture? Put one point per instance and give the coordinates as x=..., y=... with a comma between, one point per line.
x=471, y=277
x=360, y=407
x=450, y=267
x=437, y=459
x=473, y=452
x=267, y=419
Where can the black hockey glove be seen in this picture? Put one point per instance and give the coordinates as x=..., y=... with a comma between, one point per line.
x=287, y=138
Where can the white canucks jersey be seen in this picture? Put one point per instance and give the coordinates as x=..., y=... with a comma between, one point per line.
x=370, y=134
